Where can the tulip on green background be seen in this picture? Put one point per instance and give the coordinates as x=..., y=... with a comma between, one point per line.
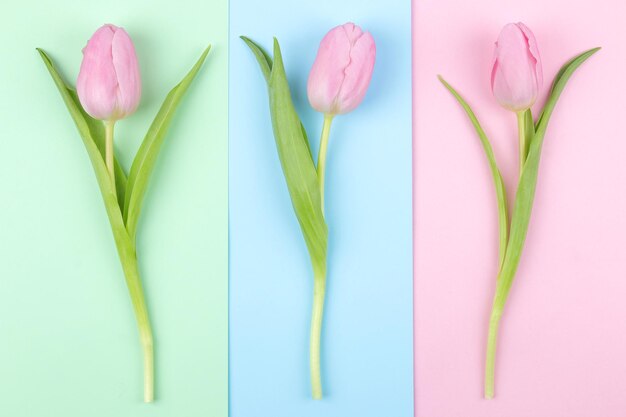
x=109, y=89
x=109, y=82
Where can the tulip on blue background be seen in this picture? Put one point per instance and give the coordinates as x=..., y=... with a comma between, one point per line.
x=367, y=340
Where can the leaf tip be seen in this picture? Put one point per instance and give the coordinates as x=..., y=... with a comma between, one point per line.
x=443, y=81
x=44, y=56
x=249, y=42
x=277, y=54
x=591, y=51
x=206, y=51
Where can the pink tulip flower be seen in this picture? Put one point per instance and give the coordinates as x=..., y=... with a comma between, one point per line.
x=109, y=84
x=517, y=75
x=342, y=70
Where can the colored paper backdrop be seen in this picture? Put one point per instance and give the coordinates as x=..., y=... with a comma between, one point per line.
x=68, y=340
x=562, y=339
x=367, y=337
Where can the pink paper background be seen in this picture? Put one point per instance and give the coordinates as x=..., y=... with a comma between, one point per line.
x=562, y=346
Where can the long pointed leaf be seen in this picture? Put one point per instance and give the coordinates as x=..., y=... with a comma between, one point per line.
x=148, y=152
x=265, y=62
x=90, y=129
x=122, y=240
x=560, y=74
x=295, y=157
x=528, y=182
x=262, y=57
x=503, y=221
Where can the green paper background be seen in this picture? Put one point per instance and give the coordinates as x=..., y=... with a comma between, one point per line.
x=68, y=340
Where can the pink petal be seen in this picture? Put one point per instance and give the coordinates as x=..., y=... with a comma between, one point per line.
x=534, y=50
x=127, y=70
x=327, y=73
x=97, y=82
x=516, y=73
x=358, y=73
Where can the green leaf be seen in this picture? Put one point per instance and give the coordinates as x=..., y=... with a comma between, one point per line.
x=527, y=185
x=92, y=127
x=144, y=162
x=84, y=126
x=295, y=156
x=262, y=57
x=96, y=127
x=495, y=172
x=91, y=132
x=561, y=73
x=265, y=62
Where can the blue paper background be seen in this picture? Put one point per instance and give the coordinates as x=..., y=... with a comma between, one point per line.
x=367, y=354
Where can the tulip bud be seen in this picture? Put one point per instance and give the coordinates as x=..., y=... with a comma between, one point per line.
x=342, y=70
x=109, y=84
x=516, y=76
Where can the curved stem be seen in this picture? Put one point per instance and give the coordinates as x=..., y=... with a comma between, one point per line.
x=490, y=362
x=321, y=158
x=523, y=143
x=108, y=149
x=319, y=290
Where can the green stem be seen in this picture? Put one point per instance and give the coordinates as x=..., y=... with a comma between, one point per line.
x=490, y=362
x=128, y=258
x=108, y=149
x=321, y=158
x=523, y=143
x=133, y=281
x=319, y=290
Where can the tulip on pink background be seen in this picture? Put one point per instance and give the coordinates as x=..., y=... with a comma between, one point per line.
x=342, y=70
x=109, y=84
x=563, y=346
x=517, y=76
